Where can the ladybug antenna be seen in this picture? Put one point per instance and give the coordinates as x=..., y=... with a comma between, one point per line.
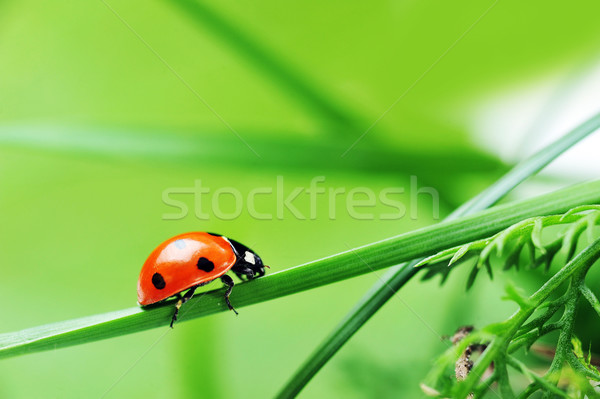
x=267, y=266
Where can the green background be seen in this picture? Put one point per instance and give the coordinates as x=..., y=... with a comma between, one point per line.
x=103, y=106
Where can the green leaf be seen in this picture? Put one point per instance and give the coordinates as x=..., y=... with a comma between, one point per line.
x=536, y=235
x=591, y=221
x=484, y=257
x=512, y=361
x=531, y=252
x=591, y=298
x=513, y=258
x=460, y=253
x=498, y=346
x=515, y=295
x=580, y=209
x=584, y=361
x=571, y=236
x=472, y=276
x=442, y=255
x=579, y=362
x=496, y=328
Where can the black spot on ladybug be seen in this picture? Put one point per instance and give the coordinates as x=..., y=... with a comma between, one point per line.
x=213, y=234
x=158, y=281
x=205, y=265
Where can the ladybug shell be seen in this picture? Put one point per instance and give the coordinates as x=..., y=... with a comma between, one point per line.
x=181, y=262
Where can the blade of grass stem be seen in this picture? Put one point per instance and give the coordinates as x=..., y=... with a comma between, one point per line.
x=194, y=148
x=178, y=147
x=273, y=65
x=374, y=256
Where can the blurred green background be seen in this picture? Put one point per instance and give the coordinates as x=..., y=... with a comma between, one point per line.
x=105, y=105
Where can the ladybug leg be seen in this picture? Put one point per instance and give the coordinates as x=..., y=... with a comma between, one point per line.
x=242, y=271
x=260, y=271
x=228, y=281
x=241, y=276
x=182, y=299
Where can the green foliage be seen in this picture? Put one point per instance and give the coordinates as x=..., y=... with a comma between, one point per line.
x=552, y=308
x=511, y=244
x=96, y=123
x=398, y=276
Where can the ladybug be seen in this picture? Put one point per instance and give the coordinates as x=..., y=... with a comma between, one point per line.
x=191, y=260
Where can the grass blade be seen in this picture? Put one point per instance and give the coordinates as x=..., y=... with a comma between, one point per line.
x=382, y=291
x=273, y=65
x=529, y=167
x=279, y=149
x=365, y=259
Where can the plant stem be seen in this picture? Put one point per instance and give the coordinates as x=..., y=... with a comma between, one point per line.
x=365, y=259
x=564, y=340
x=591, y=298
x=503, y=382
x=579, y=264
x=563, y=346
x=273, y=65
x=537, y=380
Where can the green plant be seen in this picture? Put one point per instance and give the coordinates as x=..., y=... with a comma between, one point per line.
x=354, y=262
x=399, y=275
x=536, y=316
x=469, y=233
x=95, y=125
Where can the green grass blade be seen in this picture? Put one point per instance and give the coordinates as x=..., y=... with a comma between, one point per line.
x=383, y=290
x=528, y=167
x=195, y=148
x=365, y=259
x=216, y=147
x=273, y=65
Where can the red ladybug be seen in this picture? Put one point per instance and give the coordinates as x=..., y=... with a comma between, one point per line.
x=191, y=260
